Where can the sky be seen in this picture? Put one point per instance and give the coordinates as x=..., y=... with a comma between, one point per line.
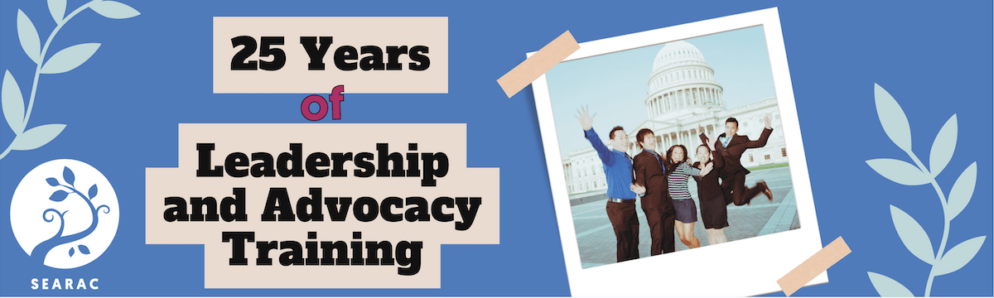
x=615, y=85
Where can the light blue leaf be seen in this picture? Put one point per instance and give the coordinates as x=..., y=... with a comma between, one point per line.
x=68, y=176
x=92, y=192
x=888, y=287
x=13, y=103
x=114, y=10
x=943, y=147
x=28, y=35
x=892, y=118
x=37, y=137
x=58, y=9
x=913, y=235
x=83, y=249
x=962, y=191
x=72, y=251
x=58, y=196
x=959, y=256
x=52, y=181
x=69, y=58
x=899, y=171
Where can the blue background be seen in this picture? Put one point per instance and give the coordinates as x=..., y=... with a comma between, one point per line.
x=153, y=71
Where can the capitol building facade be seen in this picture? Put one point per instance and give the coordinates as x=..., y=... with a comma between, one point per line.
x=682, y=96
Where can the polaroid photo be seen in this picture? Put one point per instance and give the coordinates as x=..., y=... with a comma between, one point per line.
x=649, y=209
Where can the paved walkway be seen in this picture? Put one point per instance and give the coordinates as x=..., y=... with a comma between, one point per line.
x=597, y=241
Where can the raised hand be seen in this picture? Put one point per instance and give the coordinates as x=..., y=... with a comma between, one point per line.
x=586, y=121
x=700, y=129
x=768, y=120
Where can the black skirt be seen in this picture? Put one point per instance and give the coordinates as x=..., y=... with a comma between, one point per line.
x=714, y=212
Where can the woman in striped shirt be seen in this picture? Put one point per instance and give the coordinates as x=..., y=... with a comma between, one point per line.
x=678, y=172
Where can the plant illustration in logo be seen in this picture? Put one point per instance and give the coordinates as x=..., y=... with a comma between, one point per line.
x=943, y=261
x=65, y=60
x=60, y=195
x=87, y=222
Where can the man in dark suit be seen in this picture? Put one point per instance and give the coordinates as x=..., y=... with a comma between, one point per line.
x=656, y=202
x=733, y=174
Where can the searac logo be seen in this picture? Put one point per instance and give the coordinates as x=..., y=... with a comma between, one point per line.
x=64, y=214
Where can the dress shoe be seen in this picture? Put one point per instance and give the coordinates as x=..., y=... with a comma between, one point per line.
x=766, y=191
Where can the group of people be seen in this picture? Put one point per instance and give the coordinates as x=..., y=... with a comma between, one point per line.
x=661, y=182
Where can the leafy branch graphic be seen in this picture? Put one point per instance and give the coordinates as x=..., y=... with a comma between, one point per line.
x=896, y=125
x=40, y=251
x=65, y=60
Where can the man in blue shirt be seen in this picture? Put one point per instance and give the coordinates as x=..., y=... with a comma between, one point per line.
x=621, y=199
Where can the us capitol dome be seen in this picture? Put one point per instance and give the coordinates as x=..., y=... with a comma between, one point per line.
x=681, y=83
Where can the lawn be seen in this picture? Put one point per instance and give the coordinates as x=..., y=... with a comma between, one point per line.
x=770, y=166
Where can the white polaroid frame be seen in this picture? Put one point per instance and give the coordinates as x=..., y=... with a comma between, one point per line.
x=744, y=267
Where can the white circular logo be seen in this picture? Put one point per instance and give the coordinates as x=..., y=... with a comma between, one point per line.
x=64, y=214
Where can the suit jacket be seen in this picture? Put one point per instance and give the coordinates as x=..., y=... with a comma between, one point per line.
x=649, y=173
x=732, y=154
x=707, y=185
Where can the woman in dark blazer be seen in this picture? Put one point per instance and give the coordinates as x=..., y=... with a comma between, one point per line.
x=714, y=213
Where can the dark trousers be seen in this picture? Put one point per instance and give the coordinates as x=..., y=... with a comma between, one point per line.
x=661, y=219
x=735, y=191
x=626, y=228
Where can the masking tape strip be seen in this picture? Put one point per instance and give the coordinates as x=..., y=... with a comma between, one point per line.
x=813, y=266
x=539, y=63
